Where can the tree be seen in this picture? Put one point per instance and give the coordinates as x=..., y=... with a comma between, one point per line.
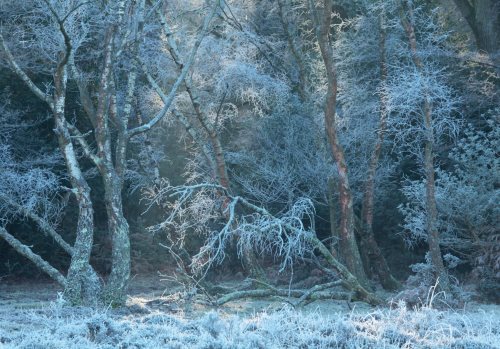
x=362, y=66
x=79, y=281
x=465, y=200
x=432, y=102
x=321, y=19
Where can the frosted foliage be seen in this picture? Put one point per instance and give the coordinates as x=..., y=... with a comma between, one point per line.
x=190, y=209
x=57, y=327
x=34, y=189
x=406, y=91
x=239, y=73
x=408, y=87
x=245, y=84
x=467, y=198
x=299, y=164
x=357, y=54
x=202, y=207
x=37, y=28
x=25, y=184
x=274, y=235
x=421, y=286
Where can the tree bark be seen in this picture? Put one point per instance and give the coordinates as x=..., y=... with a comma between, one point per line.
x=430, y=197
x=334, y=231
x=117, y=284
x=348, y=244
x=80, y=285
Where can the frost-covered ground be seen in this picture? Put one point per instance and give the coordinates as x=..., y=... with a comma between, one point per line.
x=161, y=324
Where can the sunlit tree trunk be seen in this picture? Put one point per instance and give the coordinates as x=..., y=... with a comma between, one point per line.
x=348, y=244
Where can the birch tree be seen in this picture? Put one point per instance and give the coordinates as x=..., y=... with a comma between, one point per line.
x=80, y=35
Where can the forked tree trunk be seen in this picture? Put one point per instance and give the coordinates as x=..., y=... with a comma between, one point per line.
x=80, y=281
x=117, y=285
x=348, y=244
x=430, y=197
x=373, y=258
x=82, y=285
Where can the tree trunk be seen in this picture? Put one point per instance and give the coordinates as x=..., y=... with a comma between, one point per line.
x=430, y=197
x=372, y=255
x=81, y=281
x=334, y=231
x=117, y=285
x=348, y=244
x=483, y=17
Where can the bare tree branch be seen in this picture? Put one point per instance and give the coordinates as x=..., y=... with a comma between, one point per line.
x=24, y=77
x=180, y=79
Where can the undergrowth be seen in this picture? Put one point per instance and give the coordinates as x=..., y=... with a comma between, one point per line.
x=58, y=326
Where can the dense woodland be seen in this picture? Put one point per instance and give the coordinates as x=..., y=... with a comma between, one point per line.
x=354, y=140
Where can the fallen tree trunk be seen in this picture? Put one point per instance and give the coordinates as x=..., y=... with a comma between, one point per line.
x=262, y=293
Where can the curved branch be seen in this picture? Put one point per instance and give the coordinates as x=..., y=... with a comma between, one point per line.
x=262, y=293
x=185, y=192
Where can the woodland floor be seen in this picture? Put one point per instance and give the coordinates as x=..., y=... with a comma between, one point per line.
x=160, y=315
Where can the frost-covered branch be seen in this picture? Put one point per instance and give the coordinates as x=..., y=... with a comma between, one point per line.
x=87, y=150
x=24, y=77
x=287, y=236
x=180, y=79
x=42, y=223
x=36, y=259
